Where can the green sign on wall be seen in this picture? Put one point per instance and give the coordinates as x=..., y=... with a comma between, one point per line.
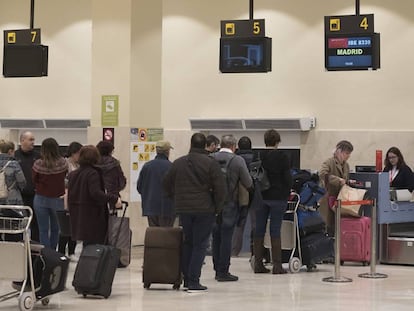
x=109, y=110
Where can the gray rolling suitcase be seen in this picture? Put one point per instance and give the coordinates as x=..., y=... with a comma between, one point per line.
x=162, y=256
x=120, y=235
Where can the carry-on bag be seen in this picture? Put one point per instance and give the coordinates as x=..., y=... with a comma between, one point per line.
x=356, y=239
x=63, y=218
x=95, y=270
x=162, y=256
x=50, y=271
x=317, y=247
x=310, y=222
x=123, y=239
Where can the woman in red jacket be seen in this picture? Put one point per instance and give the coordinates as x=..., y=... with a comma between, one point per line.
x=48, y=175
x=88, y=200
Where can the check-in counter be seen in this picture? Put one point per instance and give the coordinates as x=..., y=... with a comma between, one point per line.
x=395, y=220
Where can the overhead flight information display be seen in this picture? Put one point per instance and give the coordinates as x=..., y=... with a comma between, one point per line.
x=351, y=43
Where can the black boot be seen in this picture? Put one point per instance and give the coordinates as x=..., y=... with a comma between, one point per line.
x=258, y=256
x=277, y=256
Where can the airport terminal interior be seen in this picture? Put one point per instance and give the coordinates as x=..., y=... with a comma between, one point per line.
x=139, y=71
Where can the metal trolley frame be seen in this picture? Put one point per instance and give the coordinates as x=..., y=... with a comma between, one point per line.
x=16, y=259
x=289, y=234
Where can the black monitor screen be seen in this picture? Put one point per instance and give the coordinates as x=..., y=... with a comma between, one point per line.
x=245, y=54
x=25, y=60
x=352, y=52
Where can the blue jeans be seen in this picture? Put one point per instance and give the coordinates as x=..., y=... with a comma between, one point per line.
x=273, y=210
x=222, y=238
x=45, y=209
x=197, y=230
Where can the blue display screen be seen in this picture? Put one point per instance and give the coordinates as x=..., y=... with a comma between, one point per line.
x=353, y=52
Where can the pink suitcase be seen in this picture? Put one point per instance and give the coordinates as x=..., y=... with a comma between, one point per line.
x=356, y=239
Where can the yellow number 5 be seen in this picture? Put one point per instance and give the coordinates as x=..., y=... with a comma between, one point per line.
x=256, y=28
x=364, y=23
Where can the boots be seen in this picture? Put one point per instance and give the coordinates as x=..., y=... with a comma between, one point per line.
x=277, y=256
x=258, y=256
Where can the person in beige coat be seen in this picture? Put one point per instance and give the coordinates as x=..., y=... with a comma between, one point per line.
x=334, y=173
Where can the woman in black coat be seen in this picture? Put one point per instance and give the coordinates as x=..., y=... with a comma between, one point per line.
x=401, y=176
x=87, y=199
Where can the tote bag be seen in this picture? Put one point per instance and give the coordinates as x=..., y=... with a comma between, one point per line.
x=348, y=193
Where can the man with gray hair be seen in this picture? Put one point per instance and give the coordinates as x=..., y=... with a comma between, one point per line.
x=235, y=170
x=26, y=156
x=155, y=204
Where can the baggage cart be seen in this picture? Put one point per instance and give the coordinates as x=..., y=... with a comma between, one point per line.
x=16, y=259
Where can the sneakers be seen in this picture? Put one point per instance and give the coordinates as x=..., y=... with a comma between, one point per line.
x=197, y=288
x=226, y=277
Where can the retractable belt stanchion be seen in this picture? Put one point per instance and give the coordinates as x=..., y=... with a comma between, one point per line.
x=372, y=274
x=337, y=278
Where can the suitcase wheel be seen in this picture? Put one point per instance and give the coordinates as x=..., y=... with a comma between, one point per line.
x=365, y=263
x=311, y=267
x=176, y=286
x=45, y=301
x=147, y=285
x=84, y=295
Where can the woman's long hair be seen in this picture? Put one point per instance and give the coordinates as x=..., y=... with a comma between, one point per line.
x=49, y=152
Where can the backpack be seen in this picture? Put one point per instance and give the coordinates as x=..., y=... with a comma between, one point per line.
x=4, y=191
x=224, y=166
x=311, y=193
x=259, y=175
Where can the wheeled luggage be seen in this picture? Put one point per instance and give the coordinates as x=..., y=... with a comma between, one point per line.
x=356, y=239
x=95, y=270
x=50, y=271
x=162, y=256
x=316, y=247
x=310, y=222
x=120, y=235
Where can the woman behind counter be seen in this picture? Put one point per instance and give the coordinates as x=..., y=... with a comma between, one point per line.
x=401, y=176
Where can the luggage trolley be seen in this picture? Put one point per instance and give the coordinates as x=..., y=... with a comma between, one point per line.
x=289, y=235
x=15, y=259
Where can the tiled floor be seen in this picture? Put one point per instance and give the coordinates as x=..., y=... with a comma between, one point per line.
x=300, y=291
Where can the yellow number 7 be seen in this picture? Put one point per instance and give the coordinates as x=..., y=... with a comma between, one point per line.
x=34, y=33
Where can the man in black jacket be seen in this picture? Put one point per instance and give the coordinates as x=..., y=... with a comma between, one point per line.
x=26, y=156
x=196, y=184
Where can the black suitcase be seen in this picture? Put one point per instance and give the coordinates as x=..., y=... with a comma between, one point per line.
x=162, y=256
x=50, y=272
x=316, y=247
x=310, y=222
x=95, y=270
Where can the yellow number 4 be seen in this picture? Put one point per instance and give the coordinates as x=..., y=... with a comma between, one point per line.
x=364, y=23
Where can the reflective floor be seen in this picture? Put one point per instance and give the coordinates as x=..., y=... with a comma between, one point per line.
x=300, y=291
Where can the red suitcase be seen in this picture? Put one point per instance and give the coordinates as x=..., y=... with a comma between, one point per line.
x=356, y=239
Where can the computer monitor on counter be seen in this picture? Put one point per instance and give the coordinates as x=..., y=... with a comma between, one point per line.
x=365, y=168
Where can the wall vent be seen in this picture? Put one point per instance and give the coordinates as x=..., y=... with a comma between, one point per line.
x=45, y=123
x=282, y=124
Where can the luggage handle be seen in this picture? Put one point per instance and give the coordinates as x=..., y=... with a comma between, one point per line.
x=125, y=203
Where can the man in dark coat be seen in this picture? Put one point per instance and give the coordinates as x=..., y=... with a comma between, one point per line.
x=155, y=204
x=197, y=185
x=26, y=156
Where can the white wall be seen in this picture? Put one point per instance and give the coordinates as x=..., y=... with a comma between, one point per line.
x=298, y=84
x=66, y=91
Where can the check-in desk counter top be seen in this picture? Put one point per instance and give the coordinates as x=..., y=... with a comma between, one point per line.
x=395, y=220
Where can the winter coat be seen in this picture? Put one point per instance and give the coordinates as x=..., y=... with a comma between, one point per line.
x=87, y=202
x=196, y=183
x=15, y=180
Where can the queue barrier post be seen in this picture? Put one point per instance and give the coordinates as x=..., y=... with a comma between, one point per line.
x=337, y=278
x=373, y=274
